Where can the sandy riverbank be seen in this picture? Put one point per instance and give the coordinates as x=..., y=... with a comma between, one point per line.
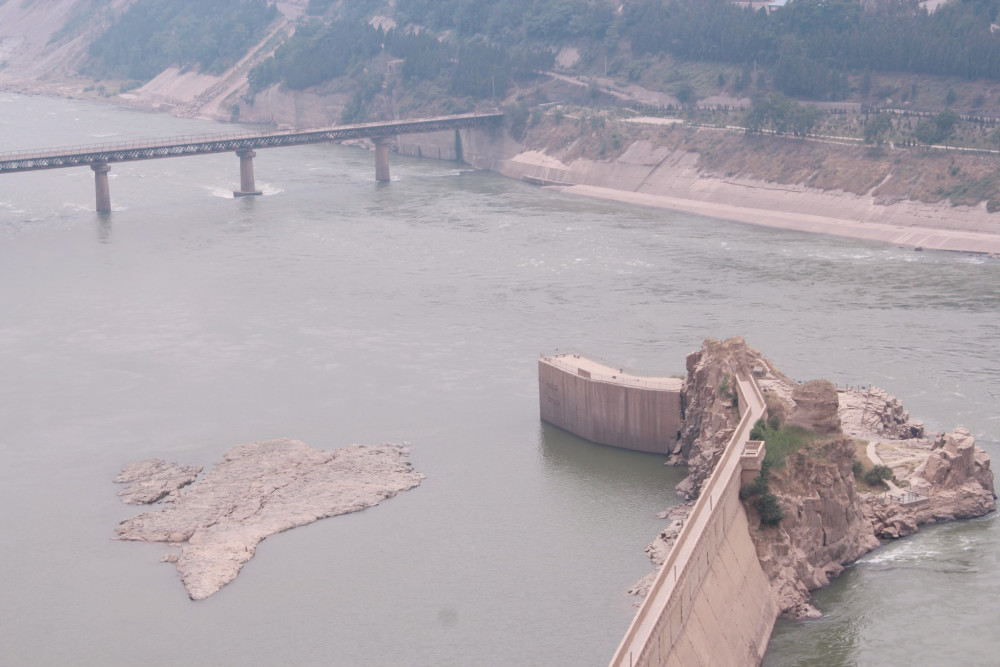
x=916, y=237
x=650, y=174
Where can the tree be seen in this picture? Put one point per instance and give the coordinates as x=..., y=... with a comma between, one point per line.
x=805, y=119
x=945, y=124
x=685, y=94
x=936, y=130
x=878, y=126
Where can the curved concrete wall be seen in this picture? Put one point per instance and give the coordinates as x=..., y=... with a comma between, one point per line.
x=622, y=411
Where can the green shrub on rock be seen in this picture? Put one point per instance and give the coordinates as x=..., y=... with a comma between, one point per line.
x=876, y=475
x=769, y=508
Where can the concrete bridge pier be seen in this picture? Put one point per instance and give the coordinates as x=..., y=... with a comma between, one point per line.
x=381, y=159
x=101, y=188
x=247, y=186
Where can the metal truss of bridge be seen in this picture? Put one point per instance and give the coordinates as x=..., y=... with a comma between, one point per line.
x=99, y=156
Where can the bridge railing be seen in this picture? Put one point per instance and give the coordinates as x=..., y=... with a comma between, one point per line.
x=159, y=142
x=131, y=144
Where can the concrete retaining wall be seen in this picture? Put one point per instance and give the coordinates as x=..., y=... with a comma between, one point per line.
x=632, y=417
x=480, y=148
x=648, y=174
x=711, y=603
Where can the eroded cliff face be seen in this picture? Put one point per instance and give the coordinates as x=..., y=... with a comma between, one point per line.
x=827, y=523
x=824, y=528
x=711, y=405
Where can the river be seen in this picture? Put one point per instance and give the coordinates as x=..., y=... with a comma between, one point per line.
x=334, y=310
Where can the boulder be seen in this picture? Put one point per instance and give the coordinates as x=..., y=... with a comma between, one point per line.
x=816, y=406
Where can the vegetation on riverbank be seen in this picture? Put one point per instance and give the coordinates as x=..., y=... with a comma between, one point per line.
x=829, y=106
x=152, y=35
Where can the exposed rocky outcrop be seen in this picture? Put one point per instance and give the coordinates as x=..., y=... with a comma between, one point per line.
x=815, y=408
x=658, y=549
x=824, y=528
x=955, y=482
x=827, y=523
x=874, y=412
x=257, y=490
x=153, y=480
x=711, y=405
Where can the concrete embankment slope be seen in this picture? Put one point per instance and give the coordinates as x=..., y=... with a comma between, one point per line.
x=711, y=602
x=661, y=177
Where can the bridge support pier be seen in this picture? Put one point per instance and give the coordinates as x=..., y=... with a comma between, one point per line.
x=101, y=188
x=381, y=159
x=247, y=186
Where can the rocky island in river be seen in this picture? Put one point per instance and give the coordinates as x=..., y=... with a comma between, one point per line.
x=255, y=491
x=823, y=444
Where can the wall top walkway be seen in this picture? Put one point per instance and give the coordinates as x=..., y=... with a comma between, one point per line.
x=598, y=372
x=149, y=149
x=662, y=591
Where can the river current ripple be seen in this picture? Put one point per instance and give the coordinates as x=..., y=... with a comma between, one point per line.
x=337, y=310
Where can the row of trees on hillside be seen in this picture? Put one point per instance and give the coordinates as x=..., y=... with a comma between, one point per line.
x=812, y=43
x=319, y=51
x=808, y=46
x=777, y=113
x=512, y=19
x=151, y=35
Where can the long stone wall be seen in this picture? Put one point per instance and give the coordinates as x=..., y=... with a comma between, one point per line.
x=607, y=406
x=711, y=603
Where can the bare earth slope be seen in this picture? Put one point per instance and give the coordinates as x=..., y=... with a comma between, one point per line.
x=903, y=197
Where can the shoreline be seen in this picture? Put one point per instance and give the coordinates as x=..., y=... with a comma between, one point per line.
x=919, y=238
x=529, y=166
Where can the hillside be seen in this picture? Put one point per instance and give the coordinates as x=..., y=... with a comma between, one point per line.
x=804, y=96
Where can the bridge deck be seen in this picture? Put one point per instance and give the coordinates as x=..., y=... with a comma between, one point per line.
x=151, y=149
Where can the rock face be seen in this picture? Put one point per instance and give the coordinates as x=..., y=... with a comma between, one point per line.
x=874, y=411
x=824, y=528
x=955, y=482
x=711, y=409
x=827, y=523
x=957, y=463
x=815, y=407
x=150, y=481
x=658, y=549
x=257, y=490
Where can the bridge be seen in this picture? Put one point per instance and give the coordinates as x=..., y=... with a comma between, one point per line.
x=99, y=157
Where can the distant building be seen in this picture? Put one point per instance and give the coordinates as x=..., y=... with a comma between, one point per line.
x=766, y=5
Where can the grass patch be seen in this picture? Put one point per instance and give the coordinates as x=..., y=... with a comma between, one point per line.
x=863, y=469
x=781, y=442
x=861, y=454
